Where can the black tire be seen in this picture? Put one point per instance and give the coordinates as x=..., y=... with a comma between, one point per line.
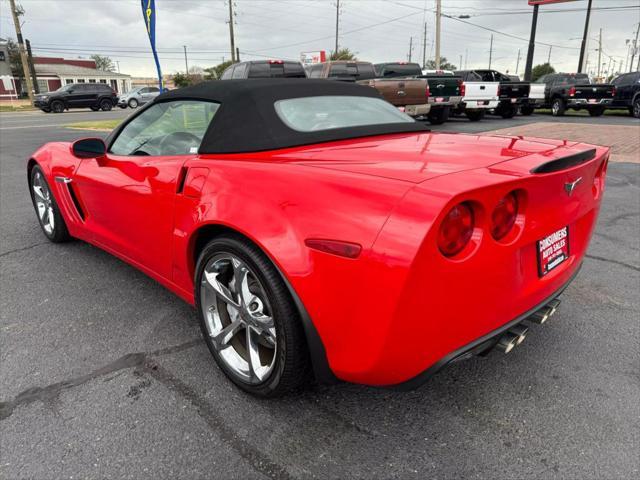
x=59, y=233
x=438, y=117
x=596, y=111
x=106, y=105
x=526, y=110
x=57, y=106
x=474, y=115
x=508, y=111
x=95, y=109
x=635, y=110
x=133, y=103
x=46, y=110
x=291, y=369
x=558, y=107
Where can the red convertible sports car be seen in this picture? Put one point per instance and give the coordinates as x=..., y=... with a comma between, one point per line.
x=316, y=228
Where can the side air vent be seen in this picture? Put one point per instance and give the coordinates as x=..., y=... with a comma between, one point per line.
x=76, y=202
x=565, y=162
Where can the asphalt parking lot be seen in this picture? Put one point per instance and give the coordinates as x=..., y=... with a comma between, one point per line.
x=103, y=373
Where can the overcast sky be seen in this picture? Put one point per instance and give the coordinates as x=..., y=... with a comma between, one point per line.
x=377, y=30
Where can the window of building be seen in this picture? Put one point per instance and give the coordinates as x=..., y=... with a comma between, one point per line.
x=92, y=80
x=68, y=81
x=81, y=80
x=103, y=80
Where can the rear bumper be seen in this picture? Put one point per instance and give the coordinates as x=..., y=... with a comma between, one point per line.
x=479, y=104
x=480, y=344
x=583, y=102
x=417, y=110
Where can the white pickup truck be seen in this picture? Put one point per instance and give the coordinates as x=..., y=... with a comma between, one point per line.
x=479, y=97
x=536, y=99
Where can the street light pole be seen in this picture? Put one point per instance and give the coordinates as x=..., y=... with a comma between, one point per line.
x=231, y=36
x=491, y=51
x=337, y=24
x=583, y=46
x=438, y=21
x=532, y=44
x=186, y=64
x=23, y=53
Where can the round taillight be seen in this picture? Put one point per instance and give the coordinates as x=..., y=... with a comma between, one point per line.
x=504, y=216
x=456, y=230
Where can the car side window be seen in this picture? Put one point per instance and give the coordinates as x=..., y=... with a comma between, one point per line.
x=153, y=90
x=226, y=75
x=338, y=70
x=166, y=128
x=143, y=90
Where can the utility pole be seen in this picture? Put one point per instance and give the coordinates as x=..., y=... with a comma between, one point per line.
x=518, y=62
x=23, y=53
x=410, y=48
x=424, y=46
x=532, y=44
x=237, y=54
x=34, y=77
x=233, y=41
x=549, y=57
x=585, y=36
x=438, y=20
x=337, y=24
x=186, y=63
x=466, y=57
x=491, y=51
x=634, y=49
x=599, y=53
x=460, y=64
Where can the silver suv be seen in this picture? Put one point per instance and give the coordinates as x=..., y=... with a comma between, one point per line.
x=138, y=96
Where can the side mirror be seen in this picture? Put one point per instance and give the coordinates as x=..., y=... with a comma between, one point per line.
x=89, y=148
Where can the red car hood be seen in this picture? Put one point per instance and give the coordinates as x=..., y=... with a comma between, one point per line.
x=418, y=157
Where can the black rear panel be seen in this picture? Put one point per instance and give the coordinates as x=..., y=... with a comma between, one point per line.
x=565, y=162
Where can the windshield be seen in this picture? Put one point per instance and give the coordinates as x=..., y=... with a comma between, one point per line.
x=312, y=114
x=64, y=88
x=391, y=70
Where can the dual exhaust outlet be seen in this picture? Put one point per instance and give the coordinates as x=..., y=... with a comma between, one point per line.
x=516, y=334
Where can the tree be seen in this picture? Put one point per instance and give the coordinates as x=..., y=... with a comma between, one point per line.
x=343, y=54
x=15, y=62
x=181, y=80
x=103, y=63
x=444, y=64
x=214, y=73
x=541, y=70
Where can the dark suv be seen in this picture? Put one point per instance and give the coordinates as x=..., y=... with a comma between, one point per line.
x=264, y=69
x=96, y=96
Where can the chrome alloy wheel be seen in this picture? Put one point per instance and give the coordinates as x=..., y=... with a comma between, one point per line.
x=238, y=318
x=44, y=203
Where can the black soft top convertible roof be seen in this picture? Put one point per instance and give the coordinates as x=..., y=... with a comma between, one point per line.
x=247, y=120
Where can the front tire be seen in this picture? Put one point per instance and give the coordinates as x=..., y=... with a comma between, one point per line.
x=57, y=106
x=507, y=111
x=596, y=112
x=636, y=108
x=133, y=103
x=558, y=107
x=248, y=318
x=95, y=109
x=474, y=115
x=46, y=207
x=439, y=116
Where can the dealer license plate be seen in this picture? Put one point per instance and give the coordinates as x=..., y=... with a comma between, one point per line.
x=439, y=99
x=553, y=250
x=593, y=100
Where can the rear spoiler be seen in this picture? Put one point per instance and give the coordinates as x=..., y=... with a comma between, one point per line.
x=565, y=162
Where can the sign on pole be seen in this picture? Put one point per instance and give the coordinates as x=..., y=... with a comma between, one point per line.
x=309, y=58
x=149, y=14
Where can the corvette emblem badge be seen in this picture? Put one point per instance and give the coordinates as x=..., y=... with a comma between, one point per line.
x=569, y=187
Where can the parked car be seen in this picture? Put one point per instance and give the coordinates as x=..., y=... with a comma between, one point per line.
x=96, y=96
x=342, y=70
x=328, y=232
x=430, y=96
x=264, y=69
x=511, y=94
x=536, y=99
x=479, y=97
x=627, y=93
x=138, y=96
x=575, y=91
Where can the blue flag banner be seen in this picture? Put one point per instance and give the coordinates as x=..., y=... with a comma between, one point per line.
x=149, y=14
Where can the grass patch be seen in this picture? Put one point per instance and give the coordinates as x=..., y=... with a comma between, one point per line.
x=102, y=125
x=16, y=108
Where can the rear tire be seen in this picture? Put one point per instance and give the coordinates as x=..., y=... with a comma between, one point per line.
x=507, y=111
x=439, y=116
x=475, y=115
x=106, y=105
x=558, y=107
x=47, y=210
x=635, y=110
x=262, y=294
x=596, y=112
x=57, y=106
x=526, y=110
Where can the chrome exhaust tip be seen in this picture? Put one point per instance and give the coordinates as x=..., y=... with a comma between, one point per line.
x=542, y=315
x=553, y=305
x=507, y=342
x=519, y=331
